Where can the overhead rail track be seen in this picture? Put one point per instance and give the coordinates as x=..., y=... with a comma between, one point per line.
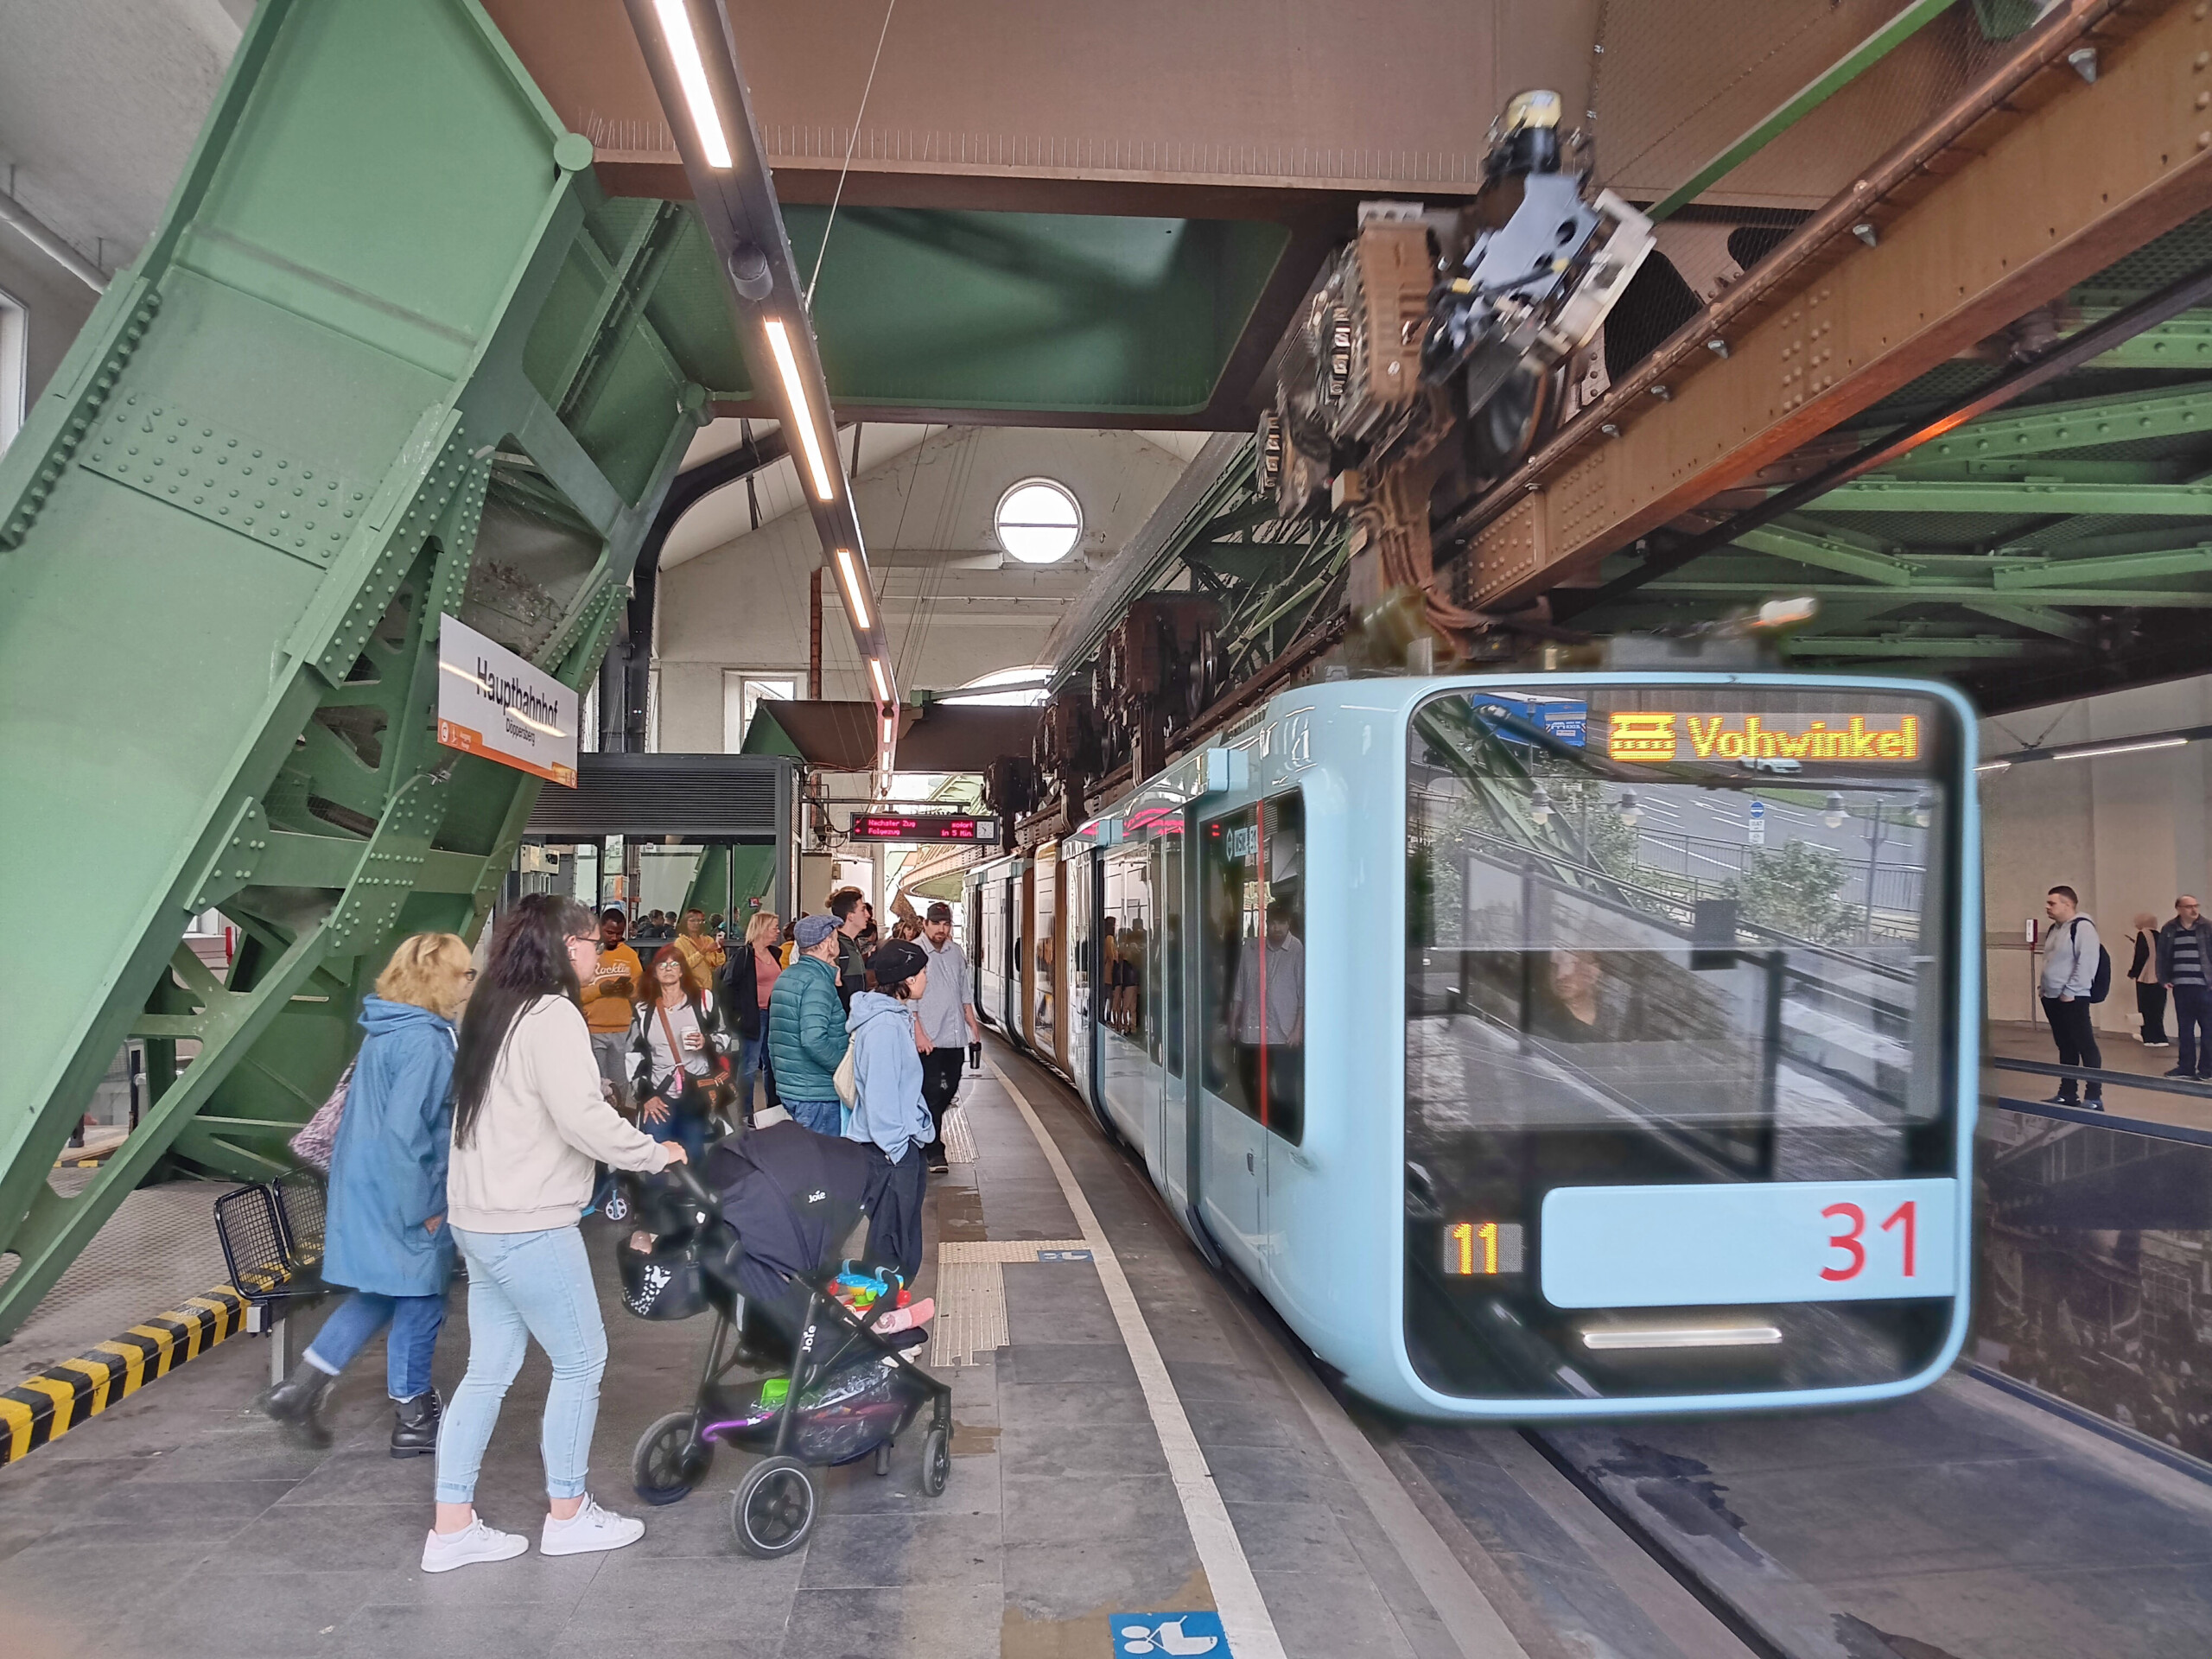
x=285, y=444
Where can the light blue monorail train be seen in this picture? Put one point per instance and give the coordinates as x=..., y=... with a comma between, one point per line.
x=1542, y=1048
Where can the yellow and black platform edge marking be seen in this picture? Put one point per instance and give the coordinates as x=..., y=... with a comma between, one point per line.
x=46, y=1407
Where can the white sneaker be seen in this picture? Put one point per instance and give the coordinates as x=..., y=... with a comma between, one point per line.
x=444, y=1551
x=589, y=1529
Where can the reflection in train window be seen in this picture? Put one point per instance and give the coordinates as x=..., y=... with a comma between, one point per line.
x=1255, y=962
x=1124, y=948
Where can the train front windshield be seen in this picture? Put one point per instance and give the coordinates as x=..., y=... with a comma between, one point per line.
x=1691, y=941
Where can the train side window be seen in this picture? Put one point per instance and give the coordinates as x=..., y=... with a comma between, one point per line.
x=1124, y=951
x=1254, y=961
x=1167, y=1046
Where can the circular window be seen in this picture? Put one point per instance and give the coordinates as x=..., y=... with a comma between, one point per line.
x=1039, y=521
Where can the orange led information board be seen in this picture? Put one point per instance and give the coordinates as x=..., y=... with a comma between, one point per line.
x=1656, y=737
x=923, y=826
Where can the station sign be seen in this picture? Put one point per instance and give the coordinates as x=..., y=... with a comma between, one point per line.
x=493, y=704
x=924, y=826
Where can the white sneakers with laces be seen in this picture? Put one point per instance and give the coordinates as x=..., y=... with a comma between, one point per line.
x=589, y=1529
x=444, y=1551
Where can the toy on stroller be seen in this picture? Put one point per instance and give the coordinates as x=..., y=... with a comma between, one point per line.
x=792, y=1370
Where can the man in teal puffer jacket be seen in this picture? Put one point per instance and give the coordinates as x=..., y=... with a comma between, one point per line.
x=806, y=1028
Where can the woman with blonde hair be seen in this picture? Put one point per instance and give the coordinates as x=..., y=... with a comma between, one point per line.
x=745, y=987
x=383, y=1239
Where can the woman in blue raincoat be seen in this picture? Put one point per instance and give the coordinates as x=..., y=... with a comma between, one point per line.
x=382, y=1237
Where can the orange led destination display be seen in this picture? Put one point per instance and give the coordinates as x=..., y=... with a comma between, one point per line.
x=1656, y=737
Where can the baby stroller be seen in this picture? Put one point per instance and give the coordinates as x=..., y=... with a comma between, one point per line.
x=792, y=1371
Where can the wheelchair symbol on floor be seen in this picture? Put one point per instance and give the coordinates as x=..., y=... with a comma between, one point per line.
x=1169, y=1635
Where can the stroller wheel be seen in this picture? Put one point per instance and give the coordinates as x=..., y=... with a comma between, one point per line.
x=616, y=1208
x=937, y=1462
x=773, y=1509
x=670, y=1458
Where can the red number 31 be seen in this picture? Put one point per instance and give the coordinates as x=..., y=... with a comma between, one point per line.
x=1854, y=1221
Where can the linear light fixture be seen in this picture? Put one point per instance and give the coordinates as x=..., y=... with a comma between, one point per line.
x=691, y=75
x=855, y=589
x=2118, y=749
x=1620, y=1339
x=779, y=345
x=1992, y=765
x=882, y=679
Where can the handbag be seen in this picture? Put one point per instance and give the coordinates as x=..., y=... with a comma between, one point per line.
x=700, y=1096
x=846, y=1080
x=312, y=1145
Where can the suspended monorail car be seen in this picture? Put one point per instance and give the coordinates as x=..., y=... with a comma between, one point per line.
x=1542, y=1048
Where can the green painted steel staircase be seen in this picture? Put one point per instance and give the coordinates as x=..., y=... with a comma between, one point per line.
x=392, y=353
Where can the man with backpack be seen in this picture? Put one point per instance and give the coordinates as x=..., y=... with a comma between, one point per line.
x=2076, y=974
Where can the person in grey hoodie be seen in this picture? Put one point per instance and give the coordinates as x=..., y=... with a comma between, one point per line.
x=888, y=1112
x=2069, y=969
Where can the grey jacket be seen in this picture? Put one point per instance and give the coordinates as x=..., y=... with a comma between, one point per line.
x=2070, y=960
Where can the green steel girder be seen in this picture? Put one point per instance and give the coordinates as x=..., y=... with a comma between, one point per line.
x=2115, y=567
x=1930, y=647
x=2002, y=498
x=1932, y=591
x=2079, y=424
x=1828, y=549
x=392, y=355
x=2183, y=343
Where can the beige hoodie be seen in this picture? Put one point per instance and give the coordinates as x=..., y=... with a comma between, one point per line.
x=527, y=1166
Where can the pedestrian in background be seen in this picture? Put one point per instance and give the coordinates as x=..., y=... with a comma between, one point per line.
x=702, y=957
x=852, y=915
x=748, y=983
x=529, y=1120
x=888, y=1112
x=382, y=1237
x=806, y=1028
x=944, y=1024
x=2150, y=992
x=677, y=1045
x=2069, y=971
x=610, y=999
x=2185, y=964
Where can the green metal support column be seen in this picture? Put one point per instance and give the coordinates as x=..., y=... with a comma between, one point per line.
x=391, y=353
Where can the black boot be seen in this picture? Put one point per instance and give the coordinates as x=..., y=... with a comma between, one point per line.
x=415, y=1425
x=297, y=1404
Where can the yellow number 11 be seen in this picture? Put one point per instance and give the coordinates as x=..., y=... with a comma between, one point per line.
x=1463, y=1235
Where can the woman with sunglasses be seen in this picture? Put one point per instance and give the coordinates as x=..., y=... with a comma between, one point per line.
x=529, y=1119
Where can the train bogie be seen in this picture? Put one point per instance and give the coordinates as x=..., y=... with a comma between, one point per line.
x=1542, y=1050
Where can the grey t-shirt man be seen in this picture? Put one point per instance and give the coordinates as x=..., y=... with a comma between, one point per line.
x=942, y=1014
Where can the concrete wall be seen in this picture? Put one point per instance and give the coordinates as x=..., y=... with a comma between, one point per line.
x=927, y=516
x=2126, y=831
x=57, y=304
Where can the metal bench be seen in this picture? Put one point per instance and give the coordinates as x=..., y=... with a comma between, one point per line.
x=271, y=1234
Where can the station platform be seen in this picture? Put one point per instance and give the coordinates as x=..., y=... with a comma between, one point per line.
x=1142, y=1458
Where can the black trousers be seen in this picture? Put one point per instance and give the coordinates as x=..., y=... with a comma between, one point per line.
x=2072, y=1026
x=2150, y=1003
x=941, y=1072
x=894, y=1212
x=2193, y=1013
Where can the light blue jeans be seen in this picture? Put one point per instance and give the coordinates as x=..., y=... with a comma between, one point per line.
x=520, y=1286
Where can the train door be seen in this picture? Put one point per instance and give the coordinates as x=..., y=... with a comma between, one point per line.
x=1172, y=1113
x=1020, y=989
x=1047, y=1032
x=1079, y=907
x=1231, y=1143
x=1127, y=1003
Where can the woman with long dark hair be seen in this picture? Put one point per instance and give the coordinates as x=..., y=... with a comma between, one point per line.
x=678, y=1045
x=529, y=1119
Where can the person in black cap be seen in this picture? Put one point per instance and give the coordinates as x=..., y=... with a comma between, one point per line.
x=887, y=1113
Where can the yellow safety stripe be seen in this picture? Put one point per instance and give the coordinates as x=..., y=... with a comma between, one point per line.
x=134, y=1362
x=100, y=1372
x=17, y=1417
x=165, y=1340
x=64, y=1400
x=220, y=1310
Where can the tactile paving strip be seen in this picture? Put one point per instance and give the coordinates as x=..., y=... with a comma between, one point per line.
x=972, y=1293
x=959, y=1143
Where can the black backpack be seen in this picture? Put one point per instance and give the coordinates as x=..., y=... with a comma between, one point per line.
x=2099, y=987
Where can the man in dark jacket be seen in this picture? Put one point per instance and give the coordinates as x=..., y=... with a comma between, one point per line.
x=806, y=1028
x=2185, y=964
x=851, y=912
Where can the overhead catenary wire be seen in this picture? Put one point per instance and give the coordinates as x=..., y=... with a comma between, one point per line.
x=852, y=143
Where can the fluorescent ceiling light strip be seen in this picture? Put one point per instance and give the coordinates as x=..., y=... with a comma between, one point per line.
x=2118, y=749
x=849, y=578
x=779, y=345
x=691, y=75
x=882, y=680
x=1618, y=1338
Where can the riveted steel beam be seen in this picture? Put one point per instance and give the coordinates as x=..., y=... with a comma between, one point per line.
x=2028, y=186
x=2079, y=423
x=1936, y=592
x=281, y=450
x=1828, y=550
x=2103, y=568
x=2015, y=498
